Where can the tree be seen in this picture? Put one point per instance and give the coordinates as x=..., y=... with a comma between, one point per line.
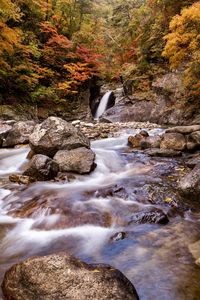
x=183, y=45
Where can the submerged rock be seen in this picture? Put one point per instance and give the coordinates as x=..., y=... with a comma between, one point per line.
x=190, y=184
x=156, y=216
x=19, y=133
x=80, y=160
x=56, y=134
x=42, y=167
x=21, y=179
x=62, y=277
x=118, y=236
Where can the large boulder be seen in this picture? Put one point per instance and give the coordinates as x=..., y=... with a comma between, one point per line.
x=19, y=133
x=174, y=141
x=62, y=277
x=41, y=168
x=189, y=185
x=80, y=160
x=56, y=134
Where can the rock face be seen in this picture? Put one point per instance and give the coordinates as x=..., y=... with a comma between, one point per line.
x=190, y=184
x=19, y=134
x=56, y=134
x=42, y=168
x=80, y=160
x=157, y=104
x=64, y=277
x=174, y=141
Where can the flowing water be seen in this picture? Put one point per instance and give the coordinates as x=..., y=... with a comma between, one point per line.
x=82, y=217
x=103, y=105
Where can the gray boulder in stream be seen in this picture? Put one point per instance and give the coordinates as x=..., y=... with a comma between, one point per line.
x=56, y=134
x=80, y=160
x=42, y=168
x=19, y=133
x=62, y=277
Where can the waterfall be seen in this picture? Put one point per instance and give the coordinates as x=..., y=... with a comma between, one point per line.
x=103, y=105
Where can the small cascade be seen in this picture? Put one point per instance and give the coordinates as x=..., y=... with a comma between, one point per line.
x=103, y=105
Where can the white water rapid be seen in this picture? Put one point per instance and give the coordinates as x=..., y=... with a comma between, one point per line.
x=103, y=105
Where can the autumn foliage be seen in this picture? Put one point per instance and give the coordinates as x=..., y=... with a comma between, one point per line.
x=49, y=49
x=183, y=45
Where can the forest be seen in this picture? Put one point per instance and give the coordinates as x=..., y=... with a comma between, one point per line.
x=49, y=49
x=99, y=150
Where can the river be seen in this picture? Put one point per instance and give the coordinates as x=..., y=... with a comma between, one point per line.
x=91, y=217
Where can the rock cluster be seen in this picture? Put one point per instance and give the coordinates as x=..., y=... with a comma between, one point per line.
x=174, y=142
x=182, y=138
x=58, y=146
x=61, y=276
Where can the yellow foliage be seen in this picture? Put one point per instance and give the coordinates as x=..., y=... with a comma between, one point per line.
x=183, y=45
x=9, y=37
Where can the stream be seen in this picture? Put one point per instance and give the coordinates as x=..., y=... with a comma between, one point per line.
x=91, y=217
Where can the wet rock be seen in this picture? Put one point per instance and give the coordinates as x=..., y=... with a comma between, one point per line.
x=62, y=277
x=19, y=134
x=183, y=129
x=30, y=154
x=56, y=134
x=80, y=160
x=41, y=168
x=144, y=133
x=151, y=142
x=21, y=179
x=175, y=141
x=189, y=185
x=118, y=236
x=163, y=152
x=198, y=262
x=4, y=130
x=193, y=141
x=135, y=141
x=65, y=177
x=156, y=216
x=193, y=160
